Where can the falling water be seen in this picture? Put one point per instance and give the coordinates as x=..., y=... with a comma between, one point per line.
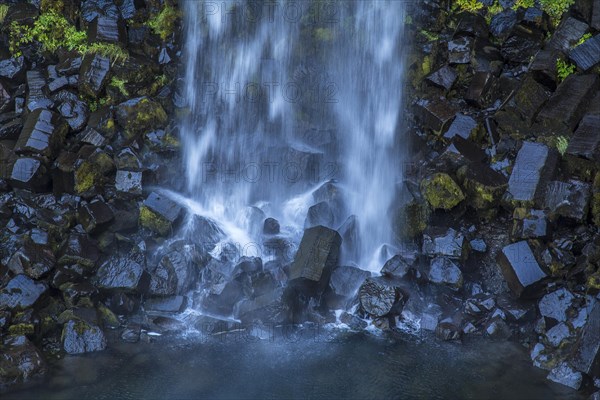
x=284, y=96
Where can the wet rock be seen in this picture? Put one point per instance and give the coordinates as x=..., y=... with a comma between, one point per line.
x=543, y=67
x=463, y=126
x=267, y=308
x=317, y=255
x=79, y=249
x=12, y=68
x=568, y=103
x=441, y=191
x=92, y=136
x=447, y=331
x=353, y=321
x=568, y=199
x=443, y=78
x=566, y=375
x=73, y=110
x=462, y=152
x=421, y=313
x=530, y=224
x=36, y=94
x=377, y=298
x=94, y=215
x=558, y=334
x=479, y=87
x=567, y=34
x=107, y=29
x=483, y=186
x=140, y=115
x=586, y=356
x=205, y=232
x=520, y=268
x=585, y=143
x=443, y=271
x=173, y=304
x=502, y=24
x=271, y=226
x=396, y=267
x=32, y=259
x=587, y=54
x=21, y=292
x=459, y=50
x=435, y=114
x=10, y=128
x=345, y=280
x=43, y=134
x=25, y=173
x=129, y=182
x=81, y=337
x=478, y=245
x=123, y=273
x=350, y=239
x=173, y=275
x=319, y=214
x=93, y=74
x=498, y=329
x=20, y=360
x=159, y=213
x=529, y=98
x=595, y=17
x=534, y=167
x=522, y=44
x=447, y=243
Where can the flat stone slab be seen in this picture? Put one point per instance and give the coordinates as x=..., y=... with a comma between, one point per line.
x=534, y=167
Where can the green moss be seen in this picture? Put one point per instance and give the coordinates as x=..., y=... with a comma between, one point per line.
x=562, y=143
x=441, y=192
x=467, y=5
x=86, y=176
x=431, y=36
x=556, y=8
x=523, y=4
x=593, y=281
x=564, y=69
x=150, y=220
x=3, y=12
x=583, y=39
x=108, y=317
x=163, y=23
x=21, y=329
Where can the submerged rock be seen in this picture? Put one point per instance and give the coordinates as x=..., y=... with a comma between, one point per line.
x=81, y=337
x=520, y=269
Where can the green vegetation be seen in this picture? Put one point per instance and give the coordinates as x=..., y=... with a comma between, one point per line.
x=53, y=31
x=556, y=8
x=441, y=192
x=523, y=4
x=467, y=5
x=431, y=36
x=564, y=69
x=163, y=23
x=561, y=144
x=153, y=221
x=583, y=39
x=120, y=85
x=3, y=12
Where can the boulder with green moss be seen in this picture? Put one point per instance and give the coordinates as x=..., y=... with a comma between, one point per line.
x=79, y=337
x=140, y=115
x=159, y=213
x=20, y=360
x=441, y=191
x=483, y=186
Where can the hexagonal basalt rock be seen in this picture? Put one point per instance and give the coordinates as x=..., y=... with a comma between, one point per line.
x=21, y=292
x=140, y=115
x=520, y=269
x=378, y=299
x=441, y=191
x=43, y=133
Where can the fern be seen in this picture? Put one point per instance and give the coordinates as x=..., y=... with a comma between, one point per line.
x=564, y=69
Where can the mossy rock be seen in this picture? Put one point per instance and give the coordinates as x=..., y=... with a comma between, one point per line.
x=140, y=115
x=593, y=281
x=107, y=316
x=412, y=220
x=483, y=192
x=441, y=192
x=25, y=329
x=86, y=177
x=153, y=221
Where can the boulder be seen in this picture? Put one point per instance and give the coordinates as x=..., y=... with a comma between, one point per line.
x=534, y=166
x=445, y=272
x=566, y=375
x=21, y=292
x=396, y=267
x=95, y=215
x=24, y=173
x=568, y=33
x=317, y=255
x=530, y=224
x=520, y=268
x=350, y=234
x=435, y=114
x=529, y=98
x=377, y=298
x=479, y=88
x=447, y=331
x=446, y=243
x=93, y=74
x=585, y=143
x=345, y=281
x=107, y=29
x=463, y=126
x=558, y=334
x=172, y=304
x=502, y=24
x=34, y=260
x=543, y=67
x=20, y=361
x=159, y=213
x=123, y=273
x=73, y=110
x=80, y=337
x=522, y=44
x=128, y=182
x=271, y=226
x=587, y=54
x=79, y=249
x=36, y=93
x=460, y=49
x=443, y=77
x=140, y=115
x=586, y=355
x=319, y=214
x=12, y=68
x=483, y=186
x=568, y=199
x=441, y=192
x=43, y=134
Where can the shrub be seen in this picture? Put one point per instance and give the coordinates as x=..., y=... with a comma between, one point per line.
x=163, y=23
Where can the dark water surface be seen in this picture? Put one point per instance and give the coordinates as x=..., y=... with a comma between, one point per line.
x=356, y=366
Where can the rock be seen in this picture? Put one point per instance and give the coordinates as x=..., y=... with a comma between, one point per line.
x=421, y=313
x=483, y=186
x=12, y=68
x=396, y=267
x=173, y=304
x=69, y=63
x=79, y=249
x=94, y=215
x=558, y=334
x=173, y=275
x=21, y=292
x=32, y=259
x=81, y=337
x=447, y=243
x=530, y=224
x=595, y=17
x=350, y=234
x=459, y=50
x=447, y=331
x=478, y=245
x=319, y=214
x=463, y=126
x=107, y=29
x=502, y=24
x=267, y=308
x=443, y=77
x=20, y=360
x=24, y=173
x=543, y=67
x=568, y=199
x=441, y=191
x=317, y=255
x=521, y=270
x=567, y=34
x=586, y=355
x=353, y=321
x=568, y=103
x=377, y=298
x=73, y=110
x=462, y=152
x=43, y=134
x=566, y=375
x=522, y=44
x=345, y=280
x=139, y=116
x=435, y=114
x=530, y=98
x=534, y=167
x=498, y=329
x=159, y=213
x=585, y=143
x=205, y=233
x=93, y=74
x=78, y=294
x=271, y=226
x=128, y=182
x=479, y=87
x=587, y=54
x=123, y=273
x=443, y=271
x=36, y=94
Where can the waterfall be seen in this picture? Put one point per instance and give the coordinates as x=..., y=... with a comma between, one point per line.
x=282, y=96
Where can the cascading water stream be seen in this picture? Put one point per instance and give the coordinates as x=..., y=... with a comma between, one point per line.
x=246, y=62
